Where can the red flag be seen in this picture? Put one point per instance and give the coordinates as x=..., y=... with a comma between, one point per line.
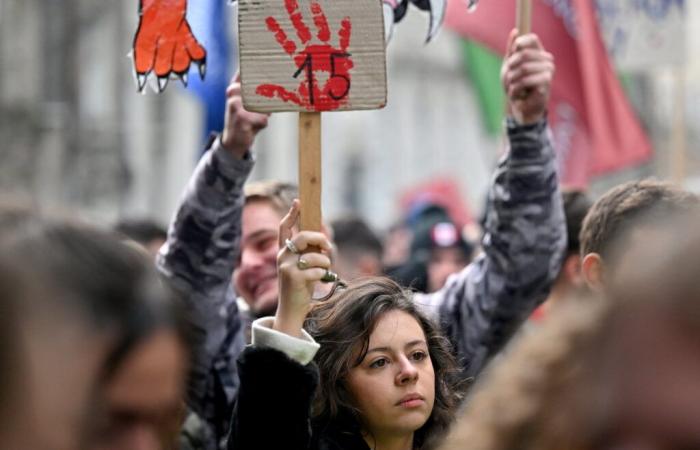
x=594, y=127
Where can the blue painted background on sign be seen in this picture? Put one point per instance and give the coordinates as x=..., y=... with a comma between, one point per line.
x=209, y=20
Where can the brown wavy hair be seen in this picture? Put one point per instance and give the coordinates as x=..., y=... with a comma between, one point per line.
x=343, y=325
x=628, y=205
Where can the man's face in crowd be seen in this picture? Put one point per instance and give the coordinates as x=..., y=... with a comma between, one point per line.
x=140, y=407
x=443, y=263
x=255, y=278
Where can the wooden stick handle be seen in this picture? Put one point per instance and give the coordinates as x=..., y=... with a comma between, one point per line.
x=310, y=170
x=679, y=143
x=524, y=26
x=524, y=11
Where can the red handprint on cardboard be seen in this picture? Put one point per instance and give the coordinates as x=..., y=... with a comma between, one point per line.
x=315, y=62
x=164, y=44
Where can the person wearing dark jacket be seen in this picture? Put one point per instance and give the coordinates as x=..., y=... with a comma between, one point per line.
x=479, y=308
x=383, y=374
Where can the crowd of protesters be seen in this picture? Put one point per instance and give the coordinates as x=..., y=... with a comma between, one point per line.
x=236, y=330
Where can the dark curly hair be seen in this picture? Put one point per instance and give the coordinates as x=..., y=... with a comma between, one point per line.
x=343, y=325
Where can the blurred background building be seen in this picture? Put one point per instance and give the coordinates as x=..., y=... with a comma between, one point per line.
x=75, y=134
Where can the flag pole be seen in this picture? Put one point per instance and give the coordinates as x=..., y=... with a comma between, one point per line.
x=679, y=143
x=524, y=26
x=524, y=16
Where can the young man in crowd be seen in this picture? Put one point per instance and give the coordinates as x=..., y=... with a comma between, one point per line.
x=625, y=216
x=216, y=233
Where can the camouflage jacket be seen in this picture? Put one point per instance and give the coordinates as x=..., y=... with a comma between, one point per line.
x=479, y=308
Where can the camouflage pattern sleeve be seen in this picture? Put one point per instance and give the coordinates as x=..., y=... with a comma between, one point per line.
x=524, y=242
x=198, y=259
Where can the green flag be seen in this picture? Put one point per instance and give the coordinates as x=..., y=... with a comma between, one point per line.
x=484, y=68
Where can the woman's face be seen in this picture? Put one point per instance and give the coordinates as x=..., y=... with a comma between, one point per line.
x=394, y=385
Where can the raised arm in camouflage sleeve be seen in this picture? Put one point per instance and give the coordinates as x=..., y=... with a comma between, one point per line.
x=198, y=258
x=524, y=242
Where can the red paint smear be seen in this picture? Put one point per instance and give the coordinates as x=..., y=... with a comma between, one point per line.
x=323, y=101
x=302, y=30
x=344, y=33
x=291, y=5
x=324, y=32
x=289, y=46
x=323, y=58
x=297, y=20
x=270, y=90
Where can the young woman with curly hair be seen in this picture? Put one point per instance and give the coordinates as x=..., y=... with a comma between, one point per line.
x=382, y=377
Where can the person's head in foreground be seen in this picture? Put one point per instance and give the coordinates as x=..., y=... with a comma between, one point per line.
x=636, y=211
x=386, y=371
x=102, y=361
x=616, y=373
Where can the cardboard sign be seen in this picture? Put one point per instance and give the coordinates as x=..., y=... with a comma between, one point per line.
x=164, y=46
x=312, y=55
x=643, y=35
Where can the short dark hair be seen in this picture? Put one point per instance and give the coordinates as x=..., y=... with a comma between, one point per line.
x=343, y=325
x=143, y=231
x=621, y=207
x=352, y=233
x=576, y=206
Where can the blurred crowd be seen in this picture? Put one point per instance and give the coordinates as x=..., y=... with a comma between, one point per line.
x=557, y=321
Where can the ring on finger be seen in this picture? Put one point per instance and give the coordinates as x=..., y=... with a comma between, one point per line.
x=329, y=277
x=291, y=247
x=302, y=264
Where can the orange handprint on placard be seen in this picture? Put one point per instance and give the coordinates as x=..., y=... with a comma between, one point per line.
x=313, y=60
x=164, y=43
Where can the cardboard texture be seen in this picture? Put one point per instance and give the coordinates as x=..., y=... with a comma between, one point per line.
x=313, y=56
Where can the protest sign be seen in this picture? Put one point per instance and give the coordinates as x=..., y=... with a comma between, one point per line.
x=313, y=56
x=643, y=35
